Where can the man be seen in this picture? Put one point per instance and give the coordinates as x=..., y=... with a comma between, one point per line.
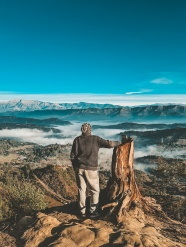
x=84, y=157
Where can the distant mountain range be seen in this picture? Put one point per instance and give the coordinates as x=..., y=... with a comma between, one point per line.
x=27, y=121
x=33, y=105
x=123, y=114
x=91, y=112
x=136, y=126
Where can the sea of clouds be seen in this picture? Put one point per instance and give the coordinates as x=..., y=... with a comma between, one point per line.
x=66, y=135
x=69, y=132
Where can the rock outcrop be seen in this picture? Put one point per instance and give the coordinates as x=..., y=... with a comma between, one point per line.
x=61, y=229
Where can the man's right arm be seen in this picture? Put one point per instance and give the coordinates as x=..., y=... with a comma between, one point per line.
x=106, y=143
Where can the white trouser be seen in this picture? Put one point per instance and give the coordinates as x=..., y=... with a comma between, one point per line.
x=91, y=179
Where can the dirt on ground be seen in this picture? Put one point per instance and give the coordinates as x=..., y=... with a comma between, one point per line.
x=8, y=158
x=61, y=226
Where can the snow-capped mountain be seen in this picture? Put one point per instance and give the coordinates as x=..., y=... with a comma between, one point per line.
x=32, y=105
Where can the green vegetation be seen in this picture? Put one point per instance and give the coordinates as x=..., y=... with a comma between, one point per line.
x=18, y=196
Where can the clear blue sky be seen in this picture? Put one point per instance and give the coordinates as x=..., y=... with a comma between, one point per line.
x=93, y=46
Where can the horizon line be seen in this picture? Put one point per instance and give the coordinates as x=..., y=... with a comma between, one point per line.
x=115, y=99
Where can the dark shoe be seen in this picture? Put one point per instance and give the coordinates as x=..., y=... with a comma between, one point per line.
x=94, y=215
x=82, y=216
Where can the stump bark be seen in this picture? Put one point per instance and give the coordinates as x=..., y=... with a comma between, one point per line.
x=122, y=191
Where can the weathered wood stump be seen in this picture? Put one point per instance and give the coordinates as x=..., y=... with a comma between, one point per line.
x=122, y=190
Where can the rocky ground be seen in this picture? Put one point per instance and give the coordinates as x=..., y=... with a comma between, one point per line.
x=59, y=225
x=62, y=227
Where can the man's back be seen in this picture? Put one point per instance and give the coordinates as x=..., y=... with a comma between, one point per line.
x=85, y=150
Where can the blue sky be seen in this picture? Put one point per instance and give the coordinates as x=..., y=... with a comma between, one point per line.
x=93, y=46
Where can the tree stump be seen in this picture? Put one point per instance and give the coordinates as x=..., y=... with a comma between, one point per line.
x=122, y=191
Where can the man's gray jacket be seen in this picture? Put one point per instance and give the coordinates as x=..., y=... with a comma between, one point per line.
x=85, y=148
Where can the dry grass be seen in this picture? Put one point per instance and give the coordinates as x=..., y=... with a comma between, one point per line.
x=18, y=196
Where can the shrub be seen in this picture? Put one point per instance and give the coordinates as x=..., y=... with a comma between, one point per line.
x=5, y=211
x=26, y=197
x=18, y=196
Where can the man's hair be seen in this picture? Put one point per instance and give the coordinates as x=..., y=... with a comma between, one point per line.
x=86, y=128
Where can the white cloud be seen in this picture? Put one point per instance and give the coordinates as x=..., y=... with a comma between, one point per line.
x=156, y=150
x=133, y=92
x=162, y=80
x=67, y=135
x=35, y=136
x=139, y=92
x=108, y=133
